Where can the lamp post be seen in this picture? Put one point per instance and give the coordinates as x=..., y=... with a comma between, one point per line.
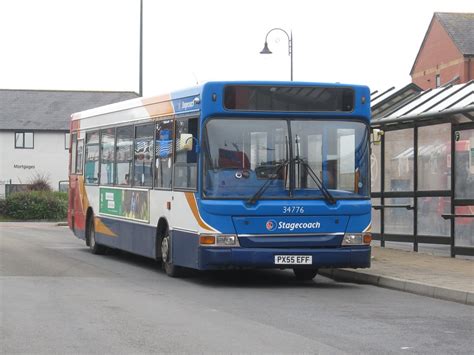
x=266, y=50
x=140, y=51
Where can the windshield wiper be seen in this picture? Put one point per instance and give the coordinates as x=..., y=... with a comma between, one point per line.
x=324, y=190
x=267, y=183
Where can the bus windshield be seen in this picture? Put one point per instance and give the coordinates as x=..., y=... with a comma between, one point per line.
x=285, y=159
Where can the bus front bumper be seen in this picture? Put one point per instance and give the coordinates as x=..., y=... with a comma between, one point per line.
x=231, y=258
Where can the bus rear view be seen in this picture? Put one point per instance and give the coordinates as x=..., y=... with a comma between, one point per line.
x=285, y=178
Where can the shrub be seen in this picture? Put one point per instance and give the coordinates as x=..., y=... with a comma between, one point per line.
x=34, y=205
x=2, y=207
x=39, y=182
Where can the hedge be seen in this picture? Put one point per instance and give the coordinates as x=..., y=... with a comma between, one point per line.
x=36, y=205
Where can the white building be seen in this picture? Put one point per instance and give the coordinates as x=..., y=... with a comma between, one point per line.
x=34, y=131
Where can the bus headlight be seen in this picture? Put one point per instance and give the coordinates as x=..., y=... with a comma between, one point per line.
x=218, y=240
x=356, y=239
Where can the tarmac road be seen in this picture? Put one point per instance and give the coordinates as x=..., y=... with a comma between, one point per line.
x=56, y=297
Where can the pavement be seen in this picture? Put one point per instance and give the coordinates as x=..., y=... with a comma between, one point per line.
x=424, y=274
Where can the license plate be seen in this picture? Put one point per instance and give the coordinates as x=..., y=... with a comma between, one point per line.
x=293, y=259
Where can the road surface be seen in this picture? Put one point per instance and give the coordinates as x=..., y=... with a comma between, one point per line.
x=56, y=297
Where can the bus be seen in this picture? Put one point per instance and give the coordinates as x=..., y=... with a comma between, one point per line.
x=227, y=175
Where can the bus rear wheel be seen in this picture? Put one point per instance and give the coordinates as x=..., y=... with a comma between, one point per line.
x=170, y=269
x=305, y=274
x=94, y=247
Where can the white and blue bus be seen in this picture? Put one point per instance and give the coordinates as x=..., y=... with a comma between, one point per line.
x=228, y=175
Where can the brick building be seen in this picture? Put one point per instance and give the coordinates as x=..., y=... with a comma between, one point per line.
x=447, y=51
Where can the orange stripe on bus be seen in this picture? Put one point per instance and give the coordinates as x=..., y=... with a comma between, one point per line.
x=193, y=205
x=158, y=105
x=101, y=228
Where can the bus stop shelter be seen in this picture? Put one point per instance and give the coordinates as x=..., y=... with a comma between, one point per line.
x=423, y=169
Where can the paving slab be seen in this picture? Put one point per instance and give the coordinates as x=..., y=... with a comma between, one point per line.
x=420, y=273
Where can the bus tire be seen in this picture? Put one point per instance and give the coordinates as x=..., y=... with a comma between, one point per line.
x=305, y=274
x=95, y=248
x=170, y=269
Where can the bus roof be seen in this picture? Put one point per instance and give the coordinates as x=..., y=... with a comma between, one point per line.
x=187, y=100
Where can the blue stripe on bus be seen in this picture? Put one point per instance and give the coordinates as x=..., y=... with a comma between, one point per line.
x=225, y=258
x=132, y=237
x=185, y=247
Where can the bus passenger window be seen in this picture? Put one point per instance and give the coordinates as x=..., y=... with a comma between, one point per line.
x=107, y=147
x=80, y=156
x=185, y=168
x=92, y=158
x=123, y=155
x=143, y=157
x=73, y=153
x=164, y=154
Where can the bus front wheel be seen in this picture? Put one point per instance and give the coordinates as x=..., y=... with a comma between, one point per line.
x=305, y=274
x=170, y=269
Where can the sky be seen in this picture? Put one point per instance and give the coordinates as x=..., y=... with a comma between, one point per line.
x=94, y=44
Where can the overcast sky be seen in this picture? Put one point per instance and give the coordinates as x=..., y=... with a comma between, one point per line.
x=93, y=44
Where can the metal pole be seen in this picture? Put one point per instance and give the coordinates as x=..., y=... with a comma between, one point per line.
x=290, y=43
x=140, y=73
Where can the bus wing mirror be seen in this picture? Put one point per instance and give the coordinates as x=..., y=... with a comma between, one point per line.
x=377, y=136
x=186, y=142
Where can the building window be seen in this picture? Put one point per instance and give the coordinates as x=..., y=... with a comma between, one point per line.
x=438, y=80
x=24, y=140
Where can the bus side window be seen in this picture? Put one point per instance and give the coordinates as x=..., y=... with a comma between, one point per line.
x=164, y=154
x=80, y=156
x=73, y=153
x=123, y=155
x=107, y=147
x=143, y=157
x=92, y=158
x=185, y=168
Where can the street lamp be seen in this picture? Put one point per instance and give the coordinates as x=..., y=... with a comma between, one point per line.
x=266, y=50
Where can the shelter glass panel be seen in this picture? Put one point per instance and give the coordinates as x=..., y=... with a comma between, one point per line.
x=464, y=164
x=464, y=227
x=375, y=168
x=376, y=216
x=430, y=221
x=398, y=220
x=399, y=154
x=434, y=168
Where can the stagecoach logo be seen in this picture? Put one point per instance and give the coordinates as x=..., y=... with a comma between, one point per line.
x=271, y=225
